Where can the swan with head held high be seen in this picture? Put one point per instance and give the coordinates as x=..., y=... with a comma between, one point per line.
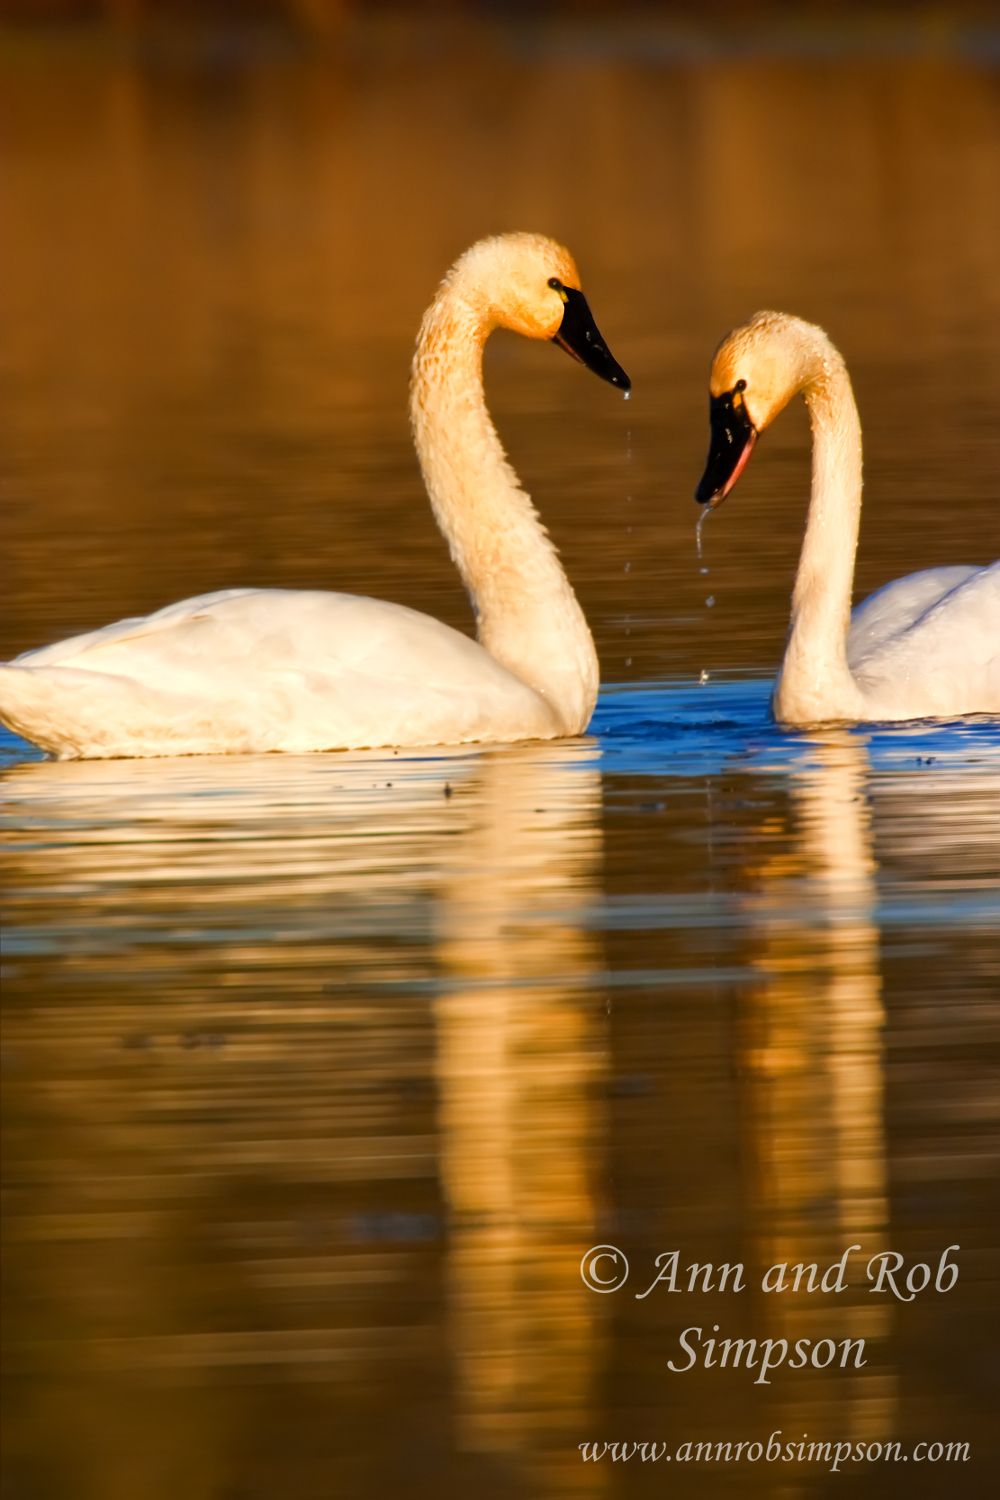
x=925, y=646
x=249, y=670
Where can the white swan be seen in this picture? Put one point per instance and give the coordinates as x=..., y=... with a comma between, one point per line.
x=272, y=669
x=925, y=646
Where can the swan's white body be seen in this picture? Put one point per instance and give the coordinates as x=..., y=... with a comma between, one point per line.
x=924, y=646
x=251, y=670
x=275, y=670
x=928, y=646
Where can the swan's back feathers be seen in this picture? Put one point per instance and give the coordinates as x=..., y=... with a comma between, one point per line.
x=897, y=606
x=262, y=669
x=929, y=645
x=72, y=651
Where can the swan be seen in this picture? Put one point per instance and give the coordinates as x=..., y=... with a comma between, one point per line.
x=249, y=670
x=924, y=646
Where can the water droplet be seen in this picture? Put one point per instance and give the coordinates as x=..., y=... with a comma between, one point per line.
x=628, y=395
x=703, y=571
x=628, y=661
x=709, y=602
x=703, y=676
x=697, y=530
x=628, y=567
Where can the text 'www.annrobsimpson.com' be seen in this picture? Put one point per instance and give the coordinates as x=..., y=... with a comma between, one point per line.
x=804, y=1450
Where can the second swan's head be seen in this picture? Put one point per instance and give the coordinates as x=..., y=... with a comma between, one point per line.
x=756, y=370
x=530, y=284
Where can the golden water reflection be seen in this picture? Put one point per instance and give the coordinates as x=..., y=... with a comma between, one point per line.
x=321, y=1075
x=520, y=1064
x=813, y=1050
x=319, y=1028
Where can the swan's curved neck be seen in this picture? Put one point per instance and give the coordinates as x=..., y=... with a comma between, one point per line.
x=816, y=682
x=527, y=615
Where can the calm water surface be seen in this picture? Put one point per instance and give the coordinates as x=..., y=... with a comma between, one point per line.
x=321, y=1074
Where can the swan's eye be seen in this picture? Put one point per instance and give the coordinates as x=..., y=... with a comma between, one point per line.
x=740, y=385
x=555, y=283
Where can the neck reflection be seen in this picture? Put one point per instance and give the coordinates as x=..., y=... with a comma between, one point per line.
x=307, y=1000
x=812, y=1044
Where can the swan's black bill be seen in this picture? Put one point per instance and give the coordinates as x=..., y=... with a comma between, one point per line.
x=580, y=336
x=730, y=446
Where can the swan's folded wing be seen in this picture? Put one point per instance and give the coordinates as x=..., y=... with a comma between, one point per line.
x=950, y=645
x=86, y=651
x=201, y=641
x=896, y=607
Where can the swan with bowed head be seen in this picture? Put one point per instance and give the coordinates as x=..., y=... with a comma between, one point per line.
x=924, y=646
x=250, y=670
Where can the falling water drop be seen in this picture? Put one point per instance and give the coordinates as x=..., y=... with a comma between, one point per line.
x=627, y=568
x=703, y=571
x=697, y=530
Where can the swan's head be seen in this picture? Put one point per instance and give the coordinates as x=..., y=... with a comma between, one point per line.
x=530, y=284
x=756, y=370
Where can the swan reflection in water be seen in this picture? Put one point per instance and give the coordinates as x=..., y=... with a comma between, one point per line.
x=520, y=1063
x=307, y=1001
x=813, y=1053
x=316, y=1106
x=878, y=848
